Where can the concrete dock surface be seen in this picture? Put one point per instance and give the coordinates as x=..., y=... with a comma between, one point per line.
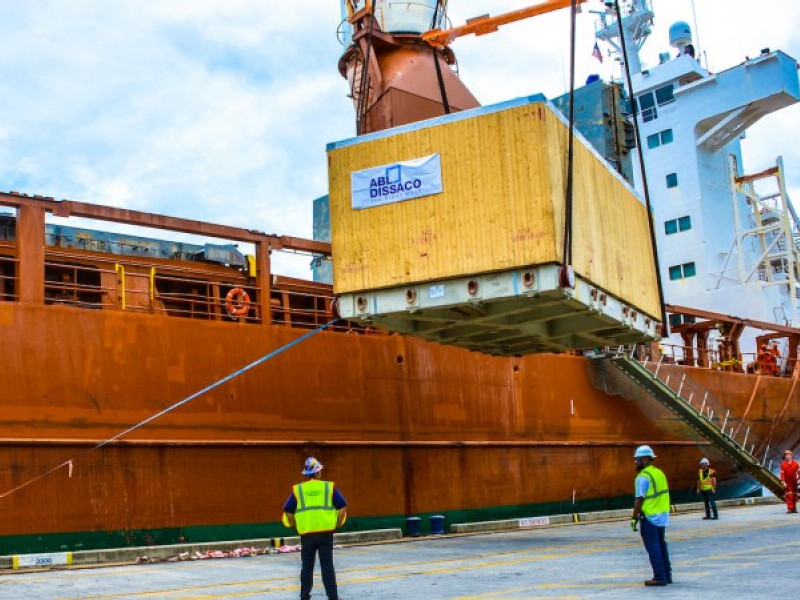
x=750, y=552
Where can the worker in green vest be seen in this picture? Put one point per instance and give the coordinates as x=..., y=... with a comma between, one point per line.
x=651, y=513
x=707, y=486
x=316, y=509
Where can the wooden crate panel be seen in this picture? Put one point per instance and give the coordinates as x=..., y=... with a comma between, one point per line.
x=502, y=206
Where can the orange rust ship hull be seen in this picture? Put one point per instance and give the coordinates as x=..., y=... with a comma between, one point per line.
x=404, y=427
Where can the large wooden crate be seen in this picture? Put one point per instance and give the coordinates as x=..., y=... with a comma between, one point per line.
x=497, y=223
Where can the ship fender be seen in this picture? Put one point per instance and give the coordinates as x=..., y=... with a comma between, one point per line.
x=237, y=302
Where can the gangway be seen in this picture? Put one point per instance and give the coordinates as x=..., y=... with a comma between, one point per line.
x=696, y=407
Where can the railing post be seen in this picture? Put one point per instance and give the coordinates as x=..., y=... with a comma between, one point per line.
x=725, y=422
x=746, y=433
x=680, y=387
x=660, y=361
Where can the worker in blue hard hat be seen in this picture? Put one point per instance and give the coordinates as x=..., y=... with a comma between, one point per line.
x=707, y=486
x=317, y=509
x=651, y=513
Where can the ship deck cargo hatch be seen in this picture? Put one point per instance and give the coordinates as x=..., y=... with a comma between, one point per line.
x=451, y=230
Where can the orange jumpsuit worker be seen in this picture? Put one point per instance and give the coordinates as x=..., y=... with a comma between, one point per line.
x=776, y=357
x=766, y=361
x=789, y=474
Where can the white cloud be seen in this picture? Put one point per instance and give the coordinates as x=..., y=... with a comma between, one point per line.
x=220, y=109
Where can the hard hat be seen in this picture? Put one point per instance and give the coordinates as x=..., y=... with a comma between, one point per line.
x=643, y=451
x=703, y=461
x=312, y=466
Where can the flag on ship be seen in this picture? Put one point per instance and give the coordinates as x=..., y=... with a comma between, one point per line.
x=596, y=53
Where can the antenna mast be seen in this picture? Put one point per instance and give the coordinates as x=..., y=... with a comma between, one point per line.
x=637, y=24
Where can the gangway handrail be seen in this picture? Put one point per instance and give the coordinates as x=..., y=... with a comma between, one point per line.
x=700, y=419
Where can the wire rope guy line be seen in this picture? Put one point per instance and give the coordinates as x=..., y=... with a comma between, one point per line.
x=70, y=462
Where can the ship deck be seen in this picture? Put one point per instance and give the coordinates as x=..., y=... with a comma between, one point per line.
x=712, y=560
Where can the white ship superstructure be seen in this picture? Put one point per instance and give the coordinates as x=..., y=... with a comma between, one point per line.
x=720, y=249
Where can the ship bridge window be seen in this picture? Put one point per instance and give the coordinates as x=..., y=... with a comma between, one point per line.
x=648, y=101
x=682, y=271
x=664, y=95
x=647, y=106
x=672, y=180
x=659, y=139
x=676, y=225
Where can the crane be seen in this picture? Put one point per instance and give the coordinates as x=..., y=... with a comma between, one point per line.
x=487, y=24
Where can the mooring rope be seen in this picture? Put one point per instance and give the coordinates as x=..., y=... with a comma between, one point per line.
x=69, y=463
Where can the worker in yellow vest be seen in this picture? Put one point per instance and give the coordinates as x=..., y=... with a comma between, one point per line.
x=707, y=486
x=651, y=512
x=316, y=509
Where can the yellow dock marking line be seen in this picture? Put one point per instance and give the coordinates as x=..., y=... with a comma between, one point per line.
x=449, y=565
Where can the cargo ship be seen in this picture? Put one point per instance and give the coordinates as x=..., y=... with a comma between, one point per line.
x=105, y=330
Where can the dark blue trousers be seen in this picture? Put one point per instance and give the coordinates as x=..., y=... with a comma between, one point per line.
x=710, y=503
x=655, y=543
x=310, y=545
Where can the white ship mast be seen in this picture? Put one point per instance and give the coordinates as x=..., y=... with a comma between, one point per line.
x=637, y=24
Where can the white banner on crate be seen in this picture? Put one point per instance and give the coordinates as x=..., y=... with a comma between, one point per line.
x=396, y=182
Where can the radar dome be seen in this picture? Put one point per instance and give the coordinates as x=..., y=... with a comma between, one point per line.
x=680, y=35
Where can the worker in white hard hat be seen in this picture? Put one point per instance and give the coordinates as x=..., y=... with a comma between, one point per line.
x=317, y=509
x=707, y=486
x=651, y=514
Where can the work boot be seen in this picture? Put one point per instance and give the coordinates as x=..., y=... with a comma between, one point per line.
x=652, y=582
x=706, y=518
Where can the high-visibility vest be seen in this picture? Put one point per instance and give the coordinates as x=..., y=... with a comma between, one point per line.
x=705, y=482
x=315, y=510
x=657, y=499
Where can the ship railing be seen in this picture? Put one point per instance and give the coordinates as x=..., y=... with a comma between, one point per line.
x=190, y=292
x=8, y=278
x=191, y=295
x=735, y=428
x=748, y=362
x=76, y=285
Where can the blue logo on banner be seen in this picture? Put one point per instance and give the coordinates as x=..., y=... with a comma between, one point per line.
x=393, y=174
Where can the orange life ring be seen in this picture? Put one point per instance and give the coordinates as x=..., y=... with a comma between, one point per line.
x=237, y=302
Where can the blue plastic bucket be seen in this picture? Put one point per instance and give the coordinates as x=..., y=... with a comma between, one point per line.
x=412, y=526
x=437, y=524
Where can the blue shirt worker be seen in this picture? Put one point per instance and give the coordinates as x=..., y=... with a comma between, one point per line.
x=651, y=513
x=707, y=486
x=316, y=509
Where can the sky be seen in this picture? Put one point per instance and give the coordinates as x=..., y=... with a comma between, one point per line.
x=220, y=110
